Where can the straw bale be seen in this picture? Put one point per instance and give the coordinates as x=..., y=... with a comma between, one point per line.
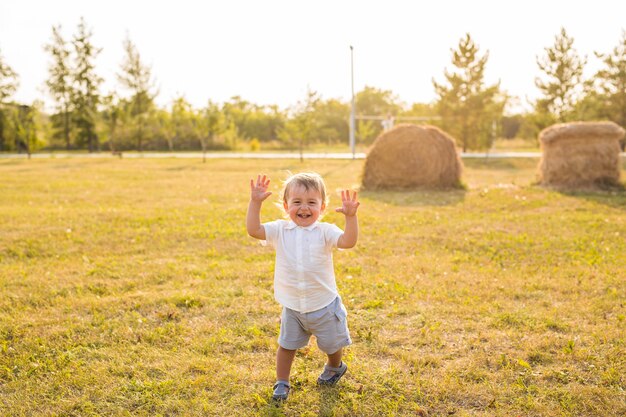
x=580, y=155
x=410, y=156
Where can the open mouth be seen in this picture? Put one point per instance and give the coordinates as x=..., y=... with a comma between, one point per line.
x=304, y=216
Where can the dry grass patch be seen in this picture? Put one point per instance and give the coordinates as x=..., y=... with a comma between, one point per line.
x=129, y=287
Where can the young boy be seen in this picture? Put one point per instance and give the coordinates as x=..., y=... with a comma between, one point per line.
x=304, y=278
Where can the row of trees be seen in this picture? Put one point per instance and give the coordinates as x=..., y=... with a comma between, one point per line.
x=467, y=108
x=473, y=112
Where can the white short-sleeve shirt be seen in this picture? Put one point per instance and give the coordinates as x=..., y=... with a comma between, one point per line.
x=304, y=277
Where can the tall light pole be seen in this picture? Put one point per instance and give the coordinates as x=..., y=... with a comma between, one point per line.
x=352, y=112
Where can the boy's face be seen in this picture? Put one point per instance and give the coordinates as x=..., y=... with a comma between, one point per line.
x=303, y=206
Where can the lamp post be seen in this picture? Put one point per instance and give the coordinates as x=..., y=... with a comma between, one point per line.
x=352, y=111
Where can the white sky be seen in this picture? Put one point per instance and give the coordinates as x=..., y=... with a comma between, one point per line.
x=269, y=52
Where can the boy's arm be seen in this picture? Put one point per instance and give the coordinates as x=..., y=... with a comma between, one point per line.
x=349, y=208
x=258, y=193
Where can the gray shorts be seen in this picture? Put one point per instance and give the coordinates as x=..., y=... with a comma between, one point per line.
x=328, y=324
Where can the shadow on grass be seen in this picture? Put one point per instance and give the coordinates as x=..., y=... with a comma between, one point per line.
x=614, y=197
x=417, y=197
x=501, y=164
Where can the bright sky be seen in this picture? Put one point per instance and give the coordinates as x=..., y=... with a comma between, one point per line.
x=269, y=52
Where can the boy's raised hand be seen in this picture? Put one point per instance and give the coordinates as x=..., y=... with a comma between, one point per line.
x=348, y=204
x=258, y=190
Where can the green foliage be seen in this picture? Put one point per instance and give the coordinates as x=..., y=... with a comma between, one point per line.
x=374, y=102
x=332, y=121
x=8, y=81
x=85, y=95
x=212, y=123
x=367, y=131
x=230, y=136
x=255, y=145
x=136, y=77
x=511, y=125
x=59, y=85
x=112, y=115
x=612, y=82
x=8, y=85
x=469, y=110
x=24, y=127
x=185, y=125
x=606, y=95
x=251, y=120
x=420, y=110
x=561, y=88
x=301, y=128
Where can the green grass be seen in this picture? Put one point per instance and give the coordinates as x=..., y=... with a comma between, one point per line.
x=129, y=287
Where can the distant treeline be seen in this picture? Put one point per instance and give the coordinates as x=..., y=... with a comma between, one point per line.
x=472, y=112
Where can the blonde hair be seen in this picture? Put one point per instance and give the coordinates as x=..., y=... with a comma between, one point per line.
x=308, y=180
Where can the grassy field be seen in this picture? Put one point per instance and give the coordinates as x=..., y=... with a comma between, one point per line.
x=129, y=287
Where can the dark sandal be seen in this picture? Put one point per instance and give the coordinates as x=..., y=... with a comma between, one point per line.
x=327, y=379
x=281, y=391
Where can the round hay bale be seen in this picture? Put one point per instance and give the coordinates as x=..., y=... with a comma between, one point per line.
x=410, y=156
x=580, y=155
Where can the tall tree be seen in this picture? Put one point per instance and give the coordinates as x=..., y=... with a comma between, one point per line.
x=26, y=128
x=376, y=103
x=467, y=107
x=85, y=94
x=612, y=82
x=184, y=124
x=301, y=127
x=562, y=86
x=59, y=83
x=332, y=118
x=8, y=81
x=113, y=114
x=213, y=124
x=136, y=77
x=8, y=86
x=372, y=101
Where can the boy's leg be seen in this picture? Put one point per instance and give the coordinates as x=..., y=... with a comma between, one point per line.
x=332, y=336
x=284, y=359
x=334, y=360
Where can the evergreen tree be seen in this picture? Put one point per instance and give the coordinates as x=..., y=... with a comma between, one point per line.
x=60, y=83
x=563, y=69
x=612, y=82
x=85, y=95
x=136, y=77
x=467, y=107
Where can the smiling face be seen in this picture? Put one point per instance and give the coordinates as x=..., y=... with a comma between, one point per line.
x=303, y=205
